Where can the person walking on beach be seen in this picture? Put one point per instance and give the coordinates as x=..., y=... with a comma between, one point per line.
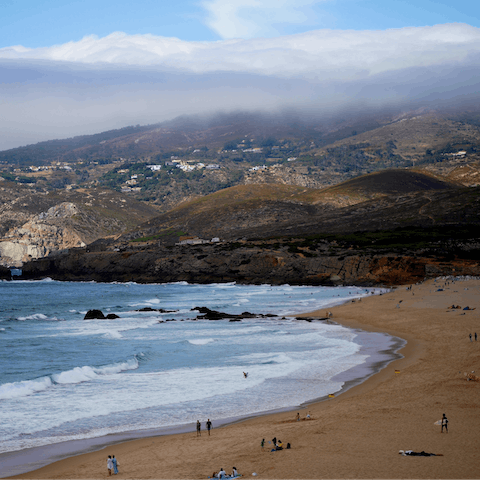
x=475, y=336
x=199, y=429
x=262, y=443
x=115, y=465
x=444, y=424
x=109, y=465
x=208, y=425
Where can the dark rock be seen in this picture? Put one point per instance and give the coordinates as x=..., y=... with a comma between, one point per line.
x=150, y=309
x=112, y=316
x=208, y=314
x=279, y=267
x=5, y=273
x=94, y=314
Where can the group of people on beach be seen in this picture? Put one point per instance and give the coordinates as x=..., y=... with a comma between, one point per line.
x=112, y=464
x=223, y=474
x=277, y=444
x=307, y=417
x=208, y=425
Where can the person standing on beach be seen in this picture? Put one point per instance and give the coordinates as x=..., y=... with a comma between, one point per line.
x=262, y=443
x=115, y=465
x=109, y=465
x=444, y=424
x=199, y=429
x=475, y=336
x=209, y=425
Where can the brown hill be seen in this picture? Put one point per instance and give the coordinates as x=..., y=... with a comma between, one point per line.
x=266, y=210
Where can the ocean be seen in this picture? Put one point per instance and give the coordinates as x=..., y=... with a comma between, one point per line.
x=64, y=379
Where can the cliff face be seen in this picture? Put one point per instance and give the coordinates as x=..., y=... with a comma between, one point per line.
x=43, y=234
x=35, y=223
x=213, y=263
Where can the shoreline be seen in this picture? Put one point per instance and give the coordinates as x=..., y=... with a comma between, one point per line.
x=379, y=355
x=359, y=433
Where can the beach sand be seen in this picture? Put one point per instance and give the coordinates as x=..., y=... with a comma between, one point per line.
x=356, y=434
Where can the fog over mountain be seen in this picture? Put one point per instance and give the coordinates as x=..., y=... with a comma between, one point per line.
x=97, y=84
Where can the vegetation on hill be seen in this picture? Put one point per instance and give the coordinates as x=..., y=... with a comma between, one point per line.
x=184, y=159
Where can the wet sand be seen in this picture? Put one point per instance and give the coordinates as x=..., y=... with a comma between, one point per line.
x=358, y=433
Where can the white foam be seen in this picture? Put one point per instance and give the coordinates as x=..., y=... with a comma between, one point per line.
x=36, y=316
x=201, y=341
x=22, y=389
x=74, y=376
x=84, y=374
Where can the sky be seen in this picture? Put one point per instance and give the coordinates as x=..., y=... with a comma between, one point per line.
x=77, y=67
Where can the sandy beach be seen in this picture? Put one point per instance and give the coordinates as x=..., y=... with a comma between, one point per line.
x=356, y=434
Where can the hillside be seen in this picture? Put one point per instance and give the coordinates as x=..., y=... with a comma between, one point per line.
x=190, y=157
x=35, y=223
x=269, y=210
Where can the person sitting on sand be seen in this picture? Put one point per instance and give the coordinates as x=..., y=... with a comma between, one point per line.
x=279, y=445
x=221, y=473
x=308, y=417
x=234, y=472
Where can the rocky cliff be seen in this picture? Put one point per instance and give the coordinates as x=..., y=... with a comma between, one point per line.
x=36, y=223
x=43, y=234
x=242, y=264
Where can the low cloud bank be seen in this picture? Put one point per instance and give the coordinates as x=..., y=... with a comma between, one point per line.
x=103, y=83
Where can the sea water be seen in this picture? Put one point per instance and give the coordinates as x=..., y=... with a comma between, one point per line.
x=64, y=378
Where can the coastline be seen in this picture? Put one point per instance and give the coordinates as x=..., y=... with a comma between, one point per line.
x=356, y=434
x=379, y=349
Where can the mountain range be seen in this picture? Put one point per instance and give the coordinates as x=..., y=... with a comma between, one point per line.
x=388, y=184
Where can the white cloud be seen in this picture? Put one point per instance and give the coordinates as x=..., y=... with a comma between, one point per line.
x=256, y=18
x=325, y=55
x=97, y=84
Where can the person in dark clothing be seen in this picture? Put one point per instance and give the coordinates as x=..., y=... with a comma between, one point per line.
x=444, y=424
x=209, y=425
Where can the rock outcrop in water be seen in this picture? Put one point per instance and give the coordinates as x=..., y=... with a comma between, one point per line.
x=98, y=315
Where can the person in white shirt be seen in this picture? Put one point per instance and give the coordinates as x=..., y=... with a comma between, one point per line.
x=109, y=465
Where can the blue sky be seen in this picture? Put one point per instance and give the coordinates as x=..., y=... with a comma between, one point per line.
x=34, y=23
x=82, y=67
